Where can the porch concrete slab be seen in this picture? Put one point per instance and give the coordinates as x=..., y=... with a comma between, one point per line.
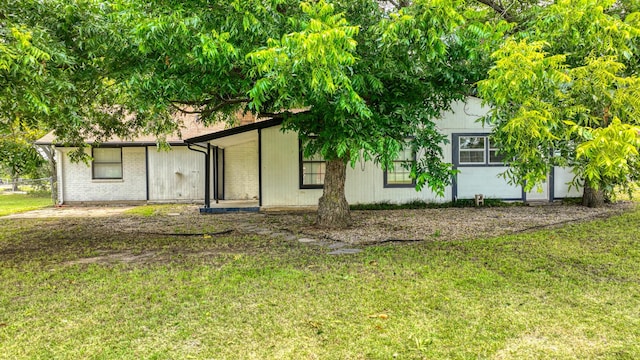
x=219, y=210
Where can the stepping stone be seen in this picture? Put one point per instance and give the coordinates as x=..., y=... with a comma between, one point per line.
x=345, y=251
x=306, y=240
x=337, y=245
x=279, y=234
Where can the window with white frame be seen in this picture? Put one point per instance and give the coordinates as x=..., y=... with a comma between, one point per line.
x=471, y=149
x=399, y=175
x=312, y=171
x=478, y=150
x=495, y=157
x=107, y=163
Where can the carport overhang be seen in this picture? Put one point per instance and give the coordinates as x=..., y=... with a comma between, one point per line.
x=211, y=145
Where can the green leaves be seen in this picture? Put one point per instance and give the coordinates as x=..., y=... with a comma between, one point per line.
x=310, y=66
x=611, y=153
x=565, y=87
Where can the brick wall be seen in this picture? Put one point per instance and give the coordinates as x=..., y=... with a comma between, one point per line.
x=78, y=185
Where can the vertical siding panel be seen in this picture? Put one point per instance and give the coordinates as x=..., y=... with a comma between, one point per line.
x=562, y=177
x=280, y=171
x=177, y=174
x=241, y=171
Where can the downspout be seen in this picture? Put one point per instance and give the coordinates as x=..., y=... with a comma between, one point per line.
x=207, y=170
x=146, y=169
x=552, y=184
x=216, y=176
x=221, y=164
x=260, y=167
x=60, y=174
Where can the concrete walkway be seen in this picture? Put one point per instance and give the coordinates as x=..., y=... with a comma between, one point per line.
x=70, y=211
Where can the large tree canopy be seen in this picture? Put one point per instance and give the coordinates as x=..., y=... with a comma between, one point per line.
x=567, y=93
x=367, y=80
x=55, y=59
x=365, y=77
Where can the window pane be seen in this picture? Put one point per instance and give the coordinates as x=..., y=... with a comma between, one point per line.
x=471, y=142
x=472, y=156
x=399, y=176
x=494, y=157
x=106, y=155
x=107, y=171
x=315, y=157
x=405, y=155
x=107, y=163
x=313, y=173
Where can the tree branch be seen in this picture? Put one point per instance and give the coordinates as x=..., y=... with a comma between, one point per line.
x=207, y=110
x=498, y=9
x=283, y=114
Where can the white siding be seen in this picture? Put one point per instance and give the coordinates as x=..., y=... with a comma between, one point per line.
x=78, y=185
x=176, y=175
x=281, y=178
x=486, y=181
x=241, y=171
x=561, y=178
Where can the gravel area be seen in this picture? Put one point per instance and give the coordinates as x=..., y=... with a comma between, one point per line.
x=443, y=224
x=369, y=227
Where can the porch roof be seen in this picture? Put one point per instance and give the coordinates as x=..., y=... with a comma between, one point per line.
x=234, y=131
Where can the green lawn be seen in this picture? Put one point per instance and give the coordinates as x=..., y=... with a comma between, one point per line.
x=567, y=293
x=15, y=203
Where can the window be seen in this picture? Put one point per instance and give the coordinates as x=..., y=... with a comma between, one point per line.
x=312, y=170
x=399, y=175
x=494, y=156
x=471, y=150
x=107, y=163
x=477, y=150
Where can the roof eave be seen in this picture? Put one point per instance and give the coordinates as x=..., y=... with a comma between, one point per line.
x=234, y=131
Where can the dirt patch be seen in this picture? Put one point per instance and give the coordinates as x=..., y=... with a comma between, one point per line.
x=369, y=227
x=71, y=211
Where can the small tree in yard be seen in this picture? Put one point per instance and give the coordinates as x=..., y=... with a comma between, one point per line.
x=567, y=93
x=18, y=156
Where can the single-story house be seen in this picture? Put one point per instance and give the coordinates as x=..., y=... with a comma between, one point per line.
x=258, y=162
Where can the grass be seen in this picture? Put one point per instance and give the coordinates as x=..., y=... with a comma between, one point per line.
x=16, y=203
x=154, y=210
x=566, y=293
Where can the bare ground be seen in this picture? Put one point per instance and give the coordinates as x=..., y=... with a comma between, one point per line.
x=444, y=224
x=369, y=227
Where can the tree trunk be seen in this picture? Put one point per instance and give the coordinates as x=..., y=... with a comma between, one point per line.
x=50, y=154
x=14, y=184
x=333, y=209
x=592, y=197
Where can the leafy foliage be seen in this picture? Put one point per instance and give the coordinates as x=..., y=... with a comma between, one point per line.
x=18, y=156
x=566, y=93
x=353, y=78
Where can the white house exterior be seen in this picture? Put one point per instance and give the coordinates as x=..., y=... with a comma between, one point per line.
x=258, y=162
